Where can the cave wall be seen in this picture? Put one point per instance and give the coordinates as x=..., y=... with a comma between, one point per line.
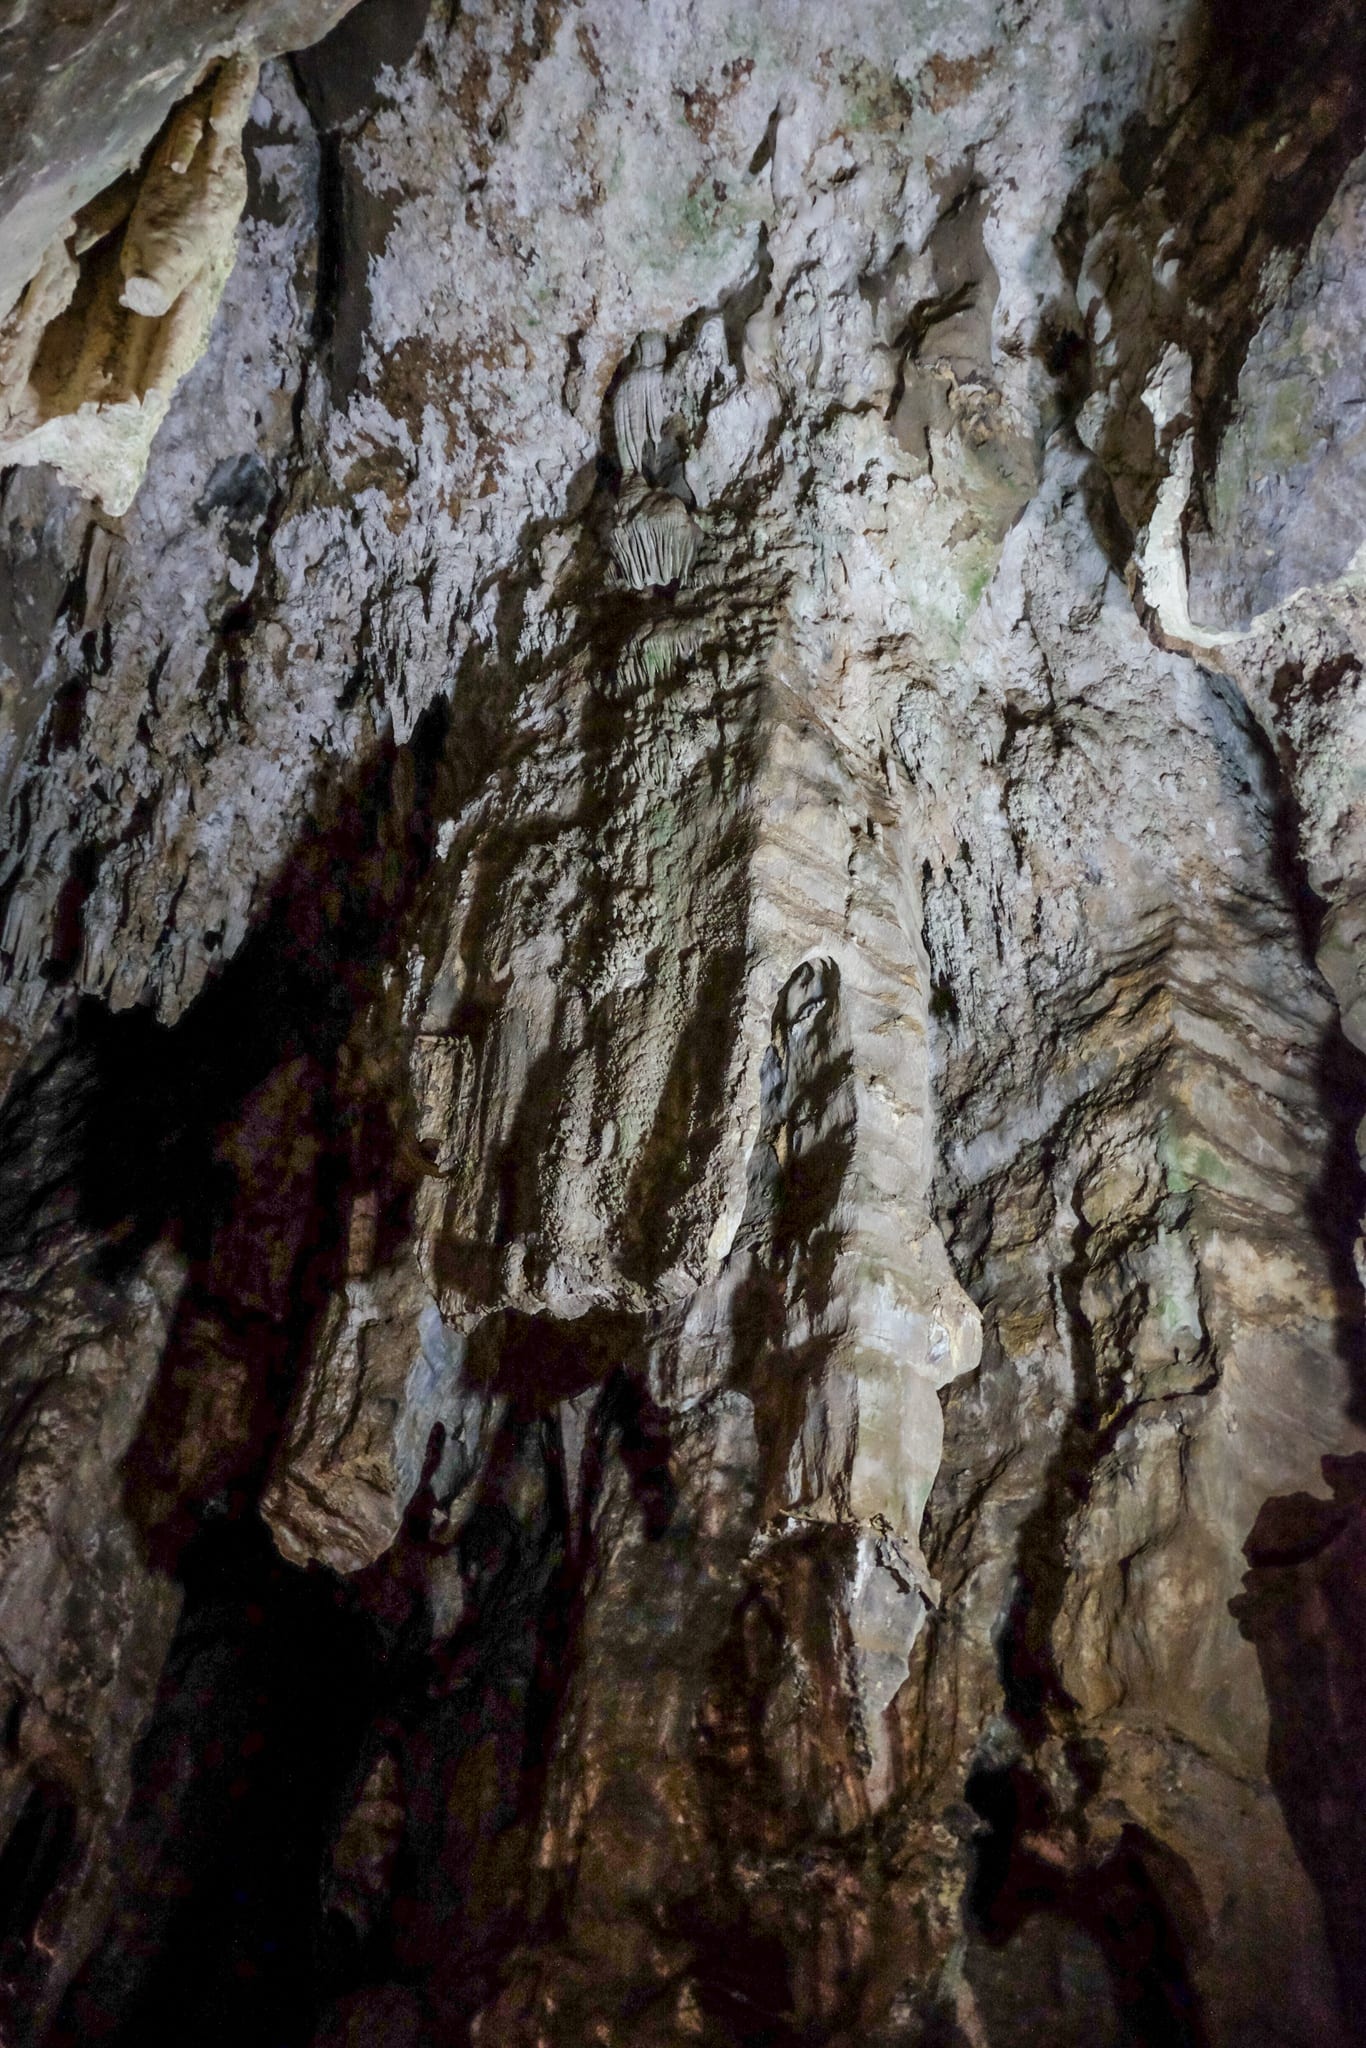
x=682, y=1022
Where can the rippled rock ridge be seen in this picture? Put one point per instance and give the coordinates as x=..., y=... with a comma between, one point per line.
x=682, y=1024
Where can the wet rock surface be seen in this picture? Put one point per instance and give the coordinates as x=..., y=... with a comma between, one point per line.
x=681, y=1349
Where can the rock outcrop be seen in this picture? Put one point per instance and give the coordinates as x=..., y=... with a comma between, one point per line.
x=117, y=314
x=681, y=936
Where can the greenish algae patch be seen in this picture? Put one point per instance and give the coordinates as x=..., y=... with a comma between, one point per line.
x=1188, y=1161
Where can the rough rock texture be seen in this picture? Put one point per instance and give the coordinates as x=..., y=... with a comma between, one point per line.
x=1285, y=507
x=683, y=996
x=102, y=335
x=86, y=87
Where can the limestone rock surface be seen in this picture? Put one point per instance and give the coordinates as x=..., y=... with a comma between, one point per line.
x=681, y=971
x=100, y=338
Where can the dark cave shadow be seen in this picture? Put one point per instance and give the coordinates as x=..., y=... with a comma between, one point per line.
x=152, y=1161
x=111, y=1139
x=644, y=1443
x=1337, y=1202
x=1338, y=1198
x=213, y=1935
x=1140, y=1905
x=1303, y=1609
x=1031, y=1683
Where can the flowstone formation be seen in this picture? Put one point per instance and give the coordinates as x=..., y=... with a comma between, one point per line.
x=681, y=1346
x=122, y=305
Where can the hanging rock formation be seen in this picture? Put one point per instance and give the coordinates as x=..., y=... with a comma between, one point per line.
x=97, y=343
x=681, y=1022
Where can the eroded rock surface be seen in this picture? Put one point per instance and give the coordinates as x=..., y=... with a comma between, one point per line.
x=682, y=985
x=122, y=308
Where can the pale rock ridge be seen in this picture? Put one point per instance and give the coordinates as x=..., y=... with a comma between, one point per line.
x=816, y=1120
x=1136, y=1215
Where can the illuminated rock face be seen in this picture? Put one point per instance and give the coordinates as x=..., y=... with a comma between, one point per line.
x=122, y=306
x=681, y=992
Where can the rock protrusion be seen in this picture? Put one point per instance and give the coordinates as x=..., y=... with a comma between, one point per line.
x=122, y=304
x=654, y=540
